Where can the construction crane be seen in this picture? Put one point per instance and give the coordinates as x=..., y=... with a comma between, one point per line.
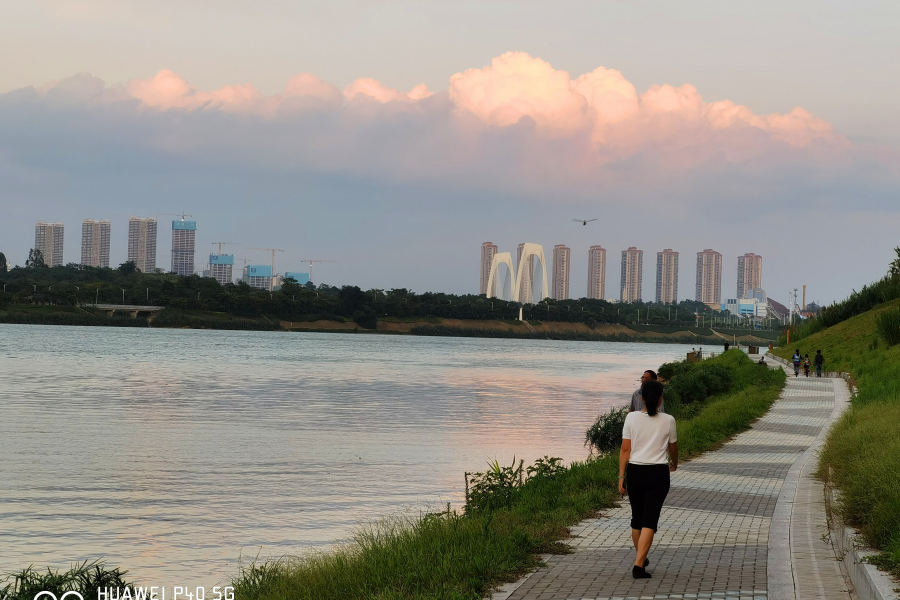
x=182, y=215
x=220, y=244
x=273, y=251
x=306, y=260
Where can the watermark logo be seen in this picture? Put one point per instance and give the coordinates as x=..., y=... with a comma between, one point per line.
x=63, y=597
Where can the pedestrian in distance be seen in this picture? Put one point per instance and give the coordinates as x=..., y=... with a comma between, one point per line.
x=700, y=353
x=820, y=361
x=649, y=454
x=806, y=365
x=727, y=345
x=797, y=358
x=636, y=403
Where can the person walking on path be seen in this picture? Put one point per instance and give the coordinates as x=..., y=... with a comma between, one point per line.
x=797, y=358
x=636, y=403
x=819, y=360
x=648, y=455
x=806, y=365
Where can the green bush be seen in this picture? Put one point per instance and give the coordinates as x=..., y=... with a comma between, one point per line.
x=888, y=326
x=699, y=382
x=605, y=435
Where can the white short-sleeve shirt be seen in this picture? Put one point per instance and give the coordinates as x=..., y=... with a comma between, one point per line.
x=650, y=437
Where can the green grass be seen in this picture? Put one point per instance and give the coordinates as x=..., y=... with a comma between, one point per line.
x=861, y=456
x=453, y=556
x=85, y=578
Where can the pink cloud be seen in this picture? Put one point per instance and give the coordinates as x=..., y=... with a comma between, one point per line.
x=595, y=119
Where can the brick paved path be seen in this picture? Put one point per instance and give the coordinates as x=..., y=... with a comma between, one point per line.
x=714, y=537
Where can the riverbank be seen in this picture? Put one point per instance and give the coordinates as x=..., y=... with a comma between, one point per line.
x=457, y=555
x=861, y=456
x=427, y=326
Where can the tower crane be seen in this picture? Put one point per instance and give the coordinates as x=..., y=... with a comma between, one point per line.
x=273, y=251
x=182, y=215
x=311, y=261
x=220, y=244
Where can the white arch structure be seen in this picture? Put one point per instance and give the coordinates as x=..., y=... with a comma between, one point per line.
x=505, y=258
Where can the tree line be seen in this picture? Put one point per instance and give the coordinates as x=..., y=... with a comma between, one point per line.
x=75, y=285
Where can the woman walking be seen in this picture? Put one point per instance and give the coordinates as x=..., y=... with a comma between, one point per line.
x=649, y=453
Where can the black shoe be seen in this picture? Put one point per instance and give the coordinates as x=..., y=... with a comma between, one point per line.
x=639, y=573
x=646, y=562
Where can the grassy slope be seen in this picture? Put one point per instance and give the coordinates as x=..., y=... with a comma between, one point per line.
x=863, y=448
x=460, y=557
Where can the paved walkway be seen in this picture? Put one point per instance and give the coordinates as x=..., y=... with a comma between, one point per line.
x=743, y=522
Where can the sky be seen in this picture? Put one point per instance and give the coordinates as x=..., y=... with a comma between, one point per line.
x=393, y=138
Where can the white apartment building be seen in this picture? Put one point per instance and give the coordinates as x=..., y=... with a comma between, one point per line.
x=95, y=243
x=48, y=238
x=142, y=243
x=596, y=273
x=631, y=288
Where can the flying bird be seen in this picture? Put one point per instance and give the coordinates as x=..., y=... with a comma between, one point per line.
x=583, y=221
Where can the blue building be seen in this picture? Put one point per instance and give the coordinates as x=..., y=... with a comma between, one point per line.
x=258, y=276
x=221, y=267
x=301, y=278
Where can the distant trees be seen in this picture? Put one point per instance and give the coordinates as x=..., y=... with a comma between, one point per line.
x=35, y=259
x=3, y=266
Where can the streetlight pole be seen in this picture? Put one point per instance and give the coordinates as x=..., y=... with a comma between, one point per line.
x=123, y=296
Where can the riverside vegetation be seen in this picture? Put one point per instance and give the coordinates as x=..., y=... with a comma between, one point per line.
x=512, y=513
x=42, y=295
x=861, y=456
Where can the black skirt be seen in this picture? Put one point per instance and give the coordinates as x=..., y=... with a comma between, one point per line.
x=647, y=487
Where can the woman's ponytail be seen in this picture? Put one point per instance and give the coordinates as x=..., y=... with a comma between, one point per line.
x=651, y=392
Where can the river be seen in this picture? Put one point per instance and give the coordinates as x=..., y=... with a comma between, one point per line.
x=172, y=453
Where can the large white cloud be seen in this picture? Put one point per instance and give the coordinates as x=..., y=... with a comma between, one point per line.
x=515, y=124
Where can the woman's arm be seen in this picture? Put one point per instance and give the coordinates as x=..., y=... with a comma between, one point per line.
x=624, y=455
x=673, y=457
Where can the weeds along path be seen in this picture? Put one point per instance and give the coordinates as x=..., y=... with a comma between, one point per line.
x=717, y=534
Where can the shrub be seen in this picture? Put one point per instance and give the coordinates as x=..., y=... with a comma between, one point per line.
x=605, y=435
x=888, y=326
x=700, y=382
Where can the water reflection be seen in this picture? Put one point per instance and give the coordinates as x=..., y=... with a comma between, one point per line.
x=172, y=452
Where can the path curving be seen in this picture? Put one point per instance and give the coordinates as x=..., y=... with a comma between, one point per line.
x=743, y=522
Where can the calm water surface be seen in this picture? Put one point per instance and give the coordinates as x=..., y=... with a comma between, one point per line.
x=172, y=453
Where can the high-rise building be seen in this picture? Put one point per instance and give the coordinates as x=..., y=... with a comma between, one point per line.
x=220, y=267
x=488, y=250
x=527, y=295
x=183, y=236
x=631, y=289
x=258, y=276
x=142, y=243
x=749, y=275
x=301, y=278
x=95, y=243
x=561, y=260
x=48, y=238
x=597, y=273
x=709, y=277
x=667, y=277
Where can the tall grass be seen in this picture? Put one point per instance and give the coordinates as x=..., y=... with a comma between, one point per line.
x=861, y=455
x=85, y=578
